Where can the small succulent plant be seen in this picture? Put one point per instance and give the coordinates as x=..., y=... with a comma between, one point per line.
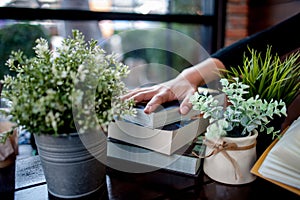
x=239, y=116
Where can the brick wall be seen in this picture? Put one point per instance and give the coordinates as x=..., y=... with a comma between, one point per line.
x=261, y=14
x=237, y=21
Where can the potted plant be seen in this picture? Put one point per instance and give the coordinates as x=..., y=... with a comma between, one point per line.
x=271, y=77
x=233, y=129
x=66, y=97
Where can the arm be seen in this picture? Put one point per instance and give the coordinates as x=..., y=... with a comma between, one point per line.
x=281, y=38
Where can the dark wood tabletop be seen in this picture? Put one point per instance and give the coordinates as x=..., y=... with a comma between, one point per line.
x=25, y=180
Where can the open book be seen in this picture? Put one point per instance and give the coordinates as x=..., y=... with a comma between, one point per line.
x=280, y=163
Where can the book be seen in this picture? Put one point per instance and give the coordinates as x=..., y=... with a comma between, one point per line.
x=280, y=163
x=182, y=161
x=166, y=113
x=166, y=140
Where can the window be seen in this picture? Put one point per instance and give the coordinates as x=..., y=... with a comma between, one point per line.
x=165, y=36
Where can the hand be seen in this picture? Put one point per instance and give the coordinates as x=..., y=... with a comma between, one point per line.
x=179, y=88
x=176, y=89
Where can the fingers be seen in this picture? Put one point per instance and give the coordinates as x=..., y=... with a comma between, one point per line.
x=156, y=95
x=147, y=94
x=134, y=92
x=144, y=96
x=185, y=105
x=156, y=101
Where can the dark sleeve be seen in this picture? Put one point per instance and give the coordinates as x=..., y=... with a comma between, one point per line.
x=283, y=37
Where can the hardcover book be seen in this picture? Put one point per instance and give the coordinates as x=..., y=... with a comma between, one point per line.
x=166, y=140
x=182, y=161
x=167, y=113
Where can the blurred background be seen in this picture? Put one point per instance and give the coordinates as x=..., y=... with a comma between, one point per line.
x=213, y=24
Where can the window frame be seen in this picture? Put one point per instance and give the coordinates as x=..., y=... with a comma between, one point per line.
x=215, y=21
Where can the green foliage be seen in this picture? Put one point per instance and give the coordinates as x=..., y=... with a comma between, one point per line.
x=18, y=36
x=76, y=86
x=269, y=76
x=241, y=116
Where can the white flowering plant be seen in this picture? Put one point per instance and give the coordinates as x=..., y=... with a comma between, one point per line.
x=72, y=88
x=239, y=116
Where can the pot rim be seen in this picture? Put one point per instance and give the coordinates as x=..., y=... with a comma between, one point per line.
x=75, y=134
x=249, y=137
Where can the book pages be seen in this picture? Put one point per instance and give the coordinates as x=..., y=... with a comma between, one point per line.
x=283, y=161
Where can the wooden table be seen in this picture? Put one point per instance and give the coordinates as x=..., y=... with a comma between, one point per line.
x=25, y=180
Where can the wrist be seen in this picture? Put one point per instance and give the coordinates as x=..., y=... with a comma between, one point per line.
x=204, y=72
x=193, y=76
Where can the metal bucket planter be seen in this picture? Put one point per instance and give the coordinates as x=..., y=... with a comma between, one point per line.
x=73, y=164
x=230, y=160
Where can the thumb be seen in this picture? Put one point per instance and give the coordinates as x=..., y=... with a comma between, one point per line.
x=185, y=106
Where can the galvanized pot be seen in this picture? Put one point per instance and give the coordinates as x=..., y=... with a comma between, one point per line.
x=73, y=163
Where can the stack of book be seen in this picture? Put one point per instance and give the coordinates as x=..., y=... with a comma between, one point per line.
x=162, y=140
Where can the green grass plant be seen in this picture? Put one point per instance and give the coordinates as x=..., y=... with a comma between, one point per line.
x=269, y=75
